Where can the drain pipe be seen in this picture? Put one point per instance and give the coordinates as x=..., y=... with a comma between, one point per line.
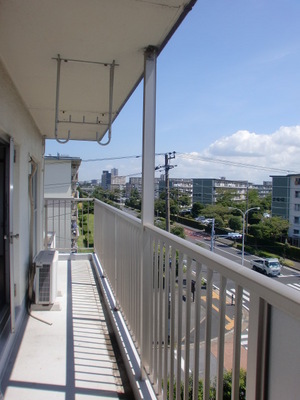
x=31, y=271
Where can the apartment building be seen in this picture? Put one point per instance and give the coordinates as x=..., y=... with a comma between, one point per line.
x=180, y=185
x=137, y=183
x=207, y=191
x=286, y=203
x=60, y=184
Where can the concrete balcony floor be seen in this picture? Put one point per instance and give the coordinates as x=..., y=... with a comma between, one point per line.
x=69, y=351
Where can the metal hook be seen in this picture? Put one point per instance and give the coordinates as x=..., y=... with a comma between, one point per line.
x=63, y=141
x=111, y=91
x=108, y=140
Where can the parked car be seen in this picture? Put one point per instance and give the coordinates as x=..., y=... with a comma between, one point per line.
x=234, y=235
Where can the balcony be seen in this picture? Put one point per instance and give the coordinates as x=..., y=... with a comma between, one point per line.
x=165, y=333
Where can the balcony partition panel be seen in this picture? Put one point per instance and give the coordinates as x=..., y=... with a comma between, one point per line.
x=65, y=221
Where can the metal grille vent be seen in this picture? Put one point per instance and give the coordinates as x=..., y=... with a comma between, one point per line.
x=44, y=284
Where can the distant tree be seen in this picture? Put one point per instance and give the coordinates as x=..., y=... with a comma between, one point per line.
x=196, y=209
x=178, y=231
x=182, y=199
x=134, y=200
x=218, y=212
x=235, y=223
x=160, y=207
x=253, y=198
x=100, y=194
x=225, y=197
x=273, y=228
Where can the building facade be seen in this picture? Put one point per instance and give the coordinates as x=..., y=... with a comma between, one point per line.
x=60, y=182
x=286, y=203
x=207, y=191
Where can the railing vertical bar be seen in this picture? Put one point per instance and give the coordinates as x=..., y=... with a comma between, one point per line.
x=59, y=227
x=257, y=347
x=160, y=323
x=179, y=326
x=156, y=288
x=88, y=225
x=138, y=279
x=65, y=226
x=172, y=322
x=208, y=333
x=237, y=342
x=197, y=331
x=221, y=338
x=166, y=320
x=46, y=225
x=187, y=331
x=151, y=316
x=131, y=258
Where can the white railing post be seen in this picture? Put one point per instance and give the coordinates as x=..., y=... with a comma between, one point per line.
x=148, y=168
x=257, y=347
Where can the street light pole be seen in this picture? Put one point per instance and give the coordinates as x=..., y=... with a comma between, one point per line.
x=244, y=217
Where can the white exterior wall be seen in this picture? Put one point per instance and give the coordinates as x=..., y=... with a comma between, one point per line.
x=16, y=122
x=58, y=178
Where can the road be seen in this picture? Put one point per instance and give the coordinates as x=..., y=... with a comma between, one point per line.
x=223, y=247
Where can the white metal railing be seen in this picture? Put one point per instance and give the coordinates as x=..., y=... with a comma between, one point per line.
x=69, y=221
x=150, y=272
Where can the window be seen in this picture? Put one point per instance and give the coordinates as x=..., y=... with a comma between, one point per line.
x=296, y=220
x=296, y=231
x=297, y=207
x=297, y=194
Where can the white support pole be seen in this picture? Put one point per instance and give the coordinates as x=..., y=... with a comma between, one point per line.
x=149, y=121
x=148, y=169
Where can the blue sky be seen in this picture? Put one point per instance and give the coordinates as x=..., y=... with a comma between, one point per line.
x=228, y=93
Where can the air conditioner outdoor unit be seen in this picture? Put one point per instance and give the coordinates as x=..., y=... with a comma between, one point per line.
x=46, y=277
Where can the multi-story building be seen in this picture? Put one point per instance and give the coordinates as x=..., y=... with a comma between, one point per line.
x=207, y=191
x=118, y=182
x=263, y=190
x=60, y=183
x=286, y=203
x=137, y=183
x=105, y=180
x=181, y=185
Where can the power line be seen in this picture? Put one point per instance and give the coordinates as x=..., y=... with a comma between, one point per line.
x=201, y=158
x=232, y=163
x=117, y=158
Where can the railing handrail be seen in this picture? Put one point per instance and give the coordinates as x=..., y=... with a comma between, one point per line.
x=75, y=199
x=122, y=214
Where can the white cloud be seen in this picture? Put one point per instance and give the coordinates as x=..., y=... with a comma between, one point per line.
x=245, y=155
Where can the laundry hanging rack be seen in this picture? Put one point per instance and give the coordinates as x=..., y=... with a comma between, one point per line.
x=97, y=122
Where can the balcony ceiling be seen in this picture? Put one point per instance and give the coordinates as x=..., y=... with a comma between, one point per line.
x=34, y=32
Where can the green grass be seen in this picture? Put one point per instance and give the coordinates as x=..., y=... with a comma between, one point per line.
x=82, y=239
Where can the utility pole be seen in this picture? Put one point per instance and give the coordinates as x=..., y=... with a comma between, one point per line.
x=167, y=167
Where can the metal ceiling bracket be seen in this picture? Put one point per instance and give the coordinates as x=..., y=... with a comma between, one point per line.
x=62, y=141
x=111, y=91
x=83, y=122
